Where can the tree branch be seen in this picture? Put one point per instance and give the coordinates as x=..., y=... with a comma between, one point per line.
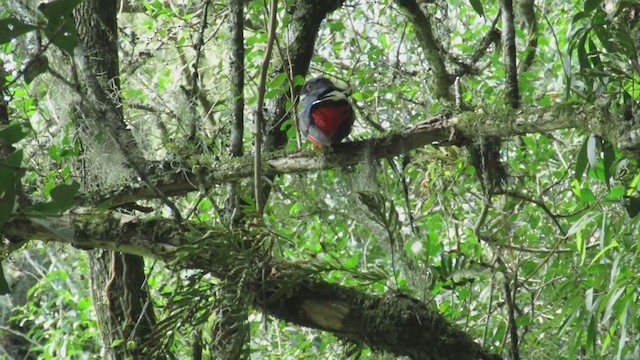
x=394, y=323
x=527, y=10
x=257, y=172
x=509, y=53
x=174, y=178
x=433, y=50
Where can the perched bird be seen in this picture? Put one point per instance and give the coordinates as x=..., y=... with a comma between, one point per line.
x=327, y=116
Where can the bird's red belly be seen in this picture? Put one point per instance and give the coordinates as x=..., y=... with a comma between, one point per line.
x=329, y=118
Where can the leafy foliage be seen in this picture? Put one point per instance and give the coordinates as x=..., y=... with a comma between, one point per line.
x=565, y=228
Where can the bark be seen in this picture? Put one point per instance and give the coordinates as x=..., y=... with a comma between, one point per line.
x=118, y=282
x=513, y=99
x=123, y=307
x=394, y=322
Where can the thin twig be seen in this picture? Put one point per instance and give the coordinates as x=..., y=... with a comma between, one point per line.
x=260, y=111
x=540, y=204
x=195, y=76
x=470, y=67
x=19, y=334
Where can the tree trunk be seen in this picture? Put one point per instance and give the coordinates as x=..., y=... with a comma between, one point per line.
x=118, y=283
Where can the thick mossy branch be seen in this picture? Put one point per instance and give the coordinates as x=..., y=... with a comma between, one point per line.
x=174, y=178
x=394, y=323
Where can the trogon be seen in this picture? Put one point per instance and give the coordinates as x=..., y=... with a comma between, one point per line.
x=327, y=116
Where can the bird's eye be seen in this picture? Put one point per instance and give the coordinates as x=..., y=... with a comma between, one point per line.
x=307, y=87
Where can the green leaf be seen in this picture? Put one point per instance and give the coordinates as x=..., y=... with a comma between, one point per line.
x=336, y=25
x=7, y=203
x=117, y=342
x=581, y=223
x=36, y=67
x=623, y=330
x=352, y=262
x=583, y=58
x=477, y=7
x=632, y=205
x=278, y=80
x=609, y=247
x=581, y=161
x=298, y=80
x=592, y=332
x=586, y=195
x=271, y=94
x=4, y=285
x=613, y=299
x=48, y=208
x=603, y=33
x=609, y=158
x=590, y=5
x=12, y=134
x=11, y=28
x=10, y=168
x=588, y=300
x=579, y=16
x=54, y=153
x=54, y=10
x=615, y=193
x=286, y=124
x=61, y=27
x=63, y=195
x=581, y=247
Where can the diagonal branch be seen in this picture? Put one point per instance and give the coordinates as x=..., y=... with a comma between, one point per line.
x=287, y=291
x=433, y=50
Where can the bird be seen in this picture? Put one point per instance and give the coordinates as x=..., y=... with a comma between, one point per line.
x=327, y=116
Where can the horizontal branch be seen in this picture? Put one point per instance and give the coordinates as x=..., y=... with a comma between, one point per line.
x=173, y=178
x=394, y=323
